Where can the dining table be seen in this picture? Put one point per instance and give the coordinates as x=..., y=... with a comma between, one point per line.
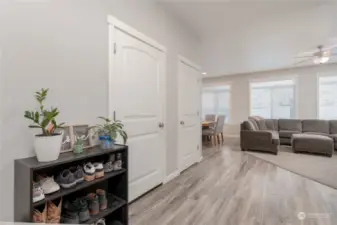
x=207, y=124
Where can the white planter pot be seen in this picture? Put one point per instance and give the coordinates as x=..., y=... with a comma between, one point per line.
x=48, y=148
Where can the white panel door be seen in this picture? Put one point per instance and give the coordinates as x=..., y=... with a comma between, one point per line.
x=137, y=95
x=189, y=138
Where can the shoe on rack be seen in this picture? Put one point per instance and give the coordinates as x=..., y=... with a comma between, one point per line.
x=76, y=210
x=93, y=204
x=38, y=194
x=48, y=184
x=54, y=211
x=100, y=222
x=40, y=217
x=89, y=172
x=99, y=170
x=66, y=179
x=84, y=209
x=103, y=202
x=78, y=174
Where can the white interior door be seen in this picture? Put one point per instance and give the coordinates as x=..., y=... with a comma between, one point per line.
x=137, y=83
x=189, y=138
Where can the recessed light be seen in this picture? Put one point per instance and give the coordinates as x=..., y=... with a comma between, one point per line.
x=204, y=73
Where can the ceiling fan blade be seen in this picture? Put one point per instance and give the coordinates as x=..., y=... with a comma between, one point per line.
x=296, y=63
x=298, y=57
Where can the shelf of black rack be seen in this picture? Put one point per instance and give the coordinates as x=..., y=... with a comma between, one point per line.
x=63, y=192
x=119, y=203
x=115, y=183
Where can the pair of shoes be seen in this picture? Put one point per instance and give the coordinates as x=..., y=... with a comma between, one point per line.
x=97, y=202
x=93, y=171
x=51, y=213
x=70, y=177
x=45, y=185
x=112, y=164
x=75, y=212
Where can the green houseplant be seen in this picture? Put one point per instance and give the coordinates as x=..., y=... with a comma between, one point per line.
x=109, y=131
x=48, y=143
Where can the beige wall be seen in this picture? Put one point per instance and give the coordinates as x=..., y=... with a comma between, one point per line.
x=306, y=90
x=63, y=45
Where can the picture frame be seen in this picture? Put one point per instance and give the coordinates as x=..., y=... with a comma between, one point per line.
x=83, y=132
x=67, y=139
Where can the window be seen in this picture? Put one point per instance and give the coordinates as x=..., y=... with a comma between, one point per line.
x=215, y=100
x=327, y=97
x=275, y=99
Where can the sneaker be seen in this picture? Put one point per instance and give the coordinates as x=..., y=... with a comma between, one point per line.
x=109, y=165
x=40, y=217
x=38, y=194
x=78, y=174
x=100, y=222
x=54, y=211
x=99, y=170
x=48, y=184
x=89, y=172
x=84, y=214
x=103, y=202
x=93, y=204
x=66, y=179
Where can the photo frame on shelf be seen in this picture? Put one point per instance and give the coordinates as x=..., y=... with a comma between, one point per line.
x=67, y=140
x=83, y=132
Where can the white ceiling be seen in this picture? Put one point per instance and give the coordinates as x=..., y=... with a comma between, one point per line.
x=222, y=24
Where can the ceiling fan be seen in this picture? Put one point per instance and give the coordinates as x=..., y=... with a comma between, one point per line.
x=319, y=56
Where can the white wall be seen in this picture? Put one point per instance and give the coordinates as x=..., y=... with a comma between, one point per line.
x=306, y=91
x=268, y=42
x=63, y=45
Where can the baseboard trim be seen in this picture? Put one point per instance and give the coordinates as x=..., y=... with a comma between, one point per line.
x=171, y=176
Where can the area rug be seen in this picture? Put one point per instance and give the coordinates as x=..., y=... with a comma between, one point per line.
x=321, y=169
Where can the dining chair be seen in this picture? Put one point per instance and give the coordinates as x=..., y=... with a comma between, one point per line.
x=210, y=117
x=214, y=133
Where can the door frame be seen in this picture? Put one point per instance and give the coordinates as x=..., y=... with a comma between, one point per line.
x=186, y=61
x=113, y=23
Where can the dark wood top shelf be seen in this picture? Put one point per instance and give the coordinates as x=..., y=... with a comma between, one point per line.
x=62, y=192
x=69, y=157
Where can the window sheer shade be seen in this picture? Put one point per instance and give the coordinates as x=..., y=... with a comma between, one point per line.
x=327, y=96
x=274, y=99
x=215, y=100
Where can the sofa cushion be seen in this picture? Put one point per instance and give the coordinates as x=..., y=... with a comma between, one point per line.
x=272, y=124
x=287, y=133
x=333, y=126
x=261, y=124
x=317, y=133
x=248, y=125
x=290, y=124
x=254, y=124
x=319, y=126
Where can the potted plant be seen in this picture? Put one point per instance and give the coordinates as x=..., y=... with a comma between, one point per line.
x=78, y=145
x=48, y=143
x=109, y=131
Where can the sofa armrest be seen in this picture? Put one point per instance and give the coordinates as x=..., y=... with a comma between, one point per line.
x=256, y=139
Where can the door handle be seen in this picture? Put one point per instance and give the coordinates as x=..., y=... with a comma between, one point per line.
x=182, y=122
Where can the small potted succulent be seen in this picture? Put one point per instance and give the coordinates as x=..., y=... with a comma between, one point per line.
x=78, y=145
x=109, y=131
x=48, y=143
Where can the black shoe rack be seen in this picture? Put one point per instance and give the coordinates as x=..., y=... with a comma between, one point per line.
x=115, y=183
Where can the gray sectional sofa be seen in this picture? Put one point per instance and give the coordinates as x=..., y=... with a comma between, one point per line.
x=314, y=136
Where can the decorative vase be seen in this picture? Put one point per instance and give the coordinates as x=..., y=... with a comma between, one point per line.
x=106, y=142
x=78, y=149
x=47, y=148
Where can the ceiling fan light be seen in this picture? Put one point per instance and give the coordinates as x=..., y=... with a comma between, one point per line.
x=321, y=60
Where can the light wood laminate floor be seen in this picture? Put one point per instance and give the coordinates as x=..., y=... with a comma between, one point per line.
x=232, y=188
